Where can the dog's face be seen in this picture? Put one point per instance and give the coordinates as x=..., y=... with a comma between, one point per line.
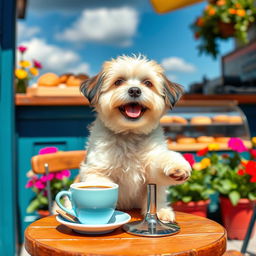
x=131, y=94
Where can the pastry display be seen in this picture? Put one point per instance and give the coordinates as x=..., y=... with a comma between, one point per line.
x=201, y=120
x=205, y=139
x=48, y=80
x=220, y=119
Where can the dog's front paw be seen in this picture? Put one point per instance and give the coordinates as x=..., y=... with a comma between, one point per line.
x=166, y=215
x=180, y=172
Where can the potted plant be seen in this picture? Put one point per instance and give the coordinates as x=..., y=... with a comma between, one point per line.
x=234, y=178
x=193, y=196
x=223, y=19
x=25, y=71
x=59, y=181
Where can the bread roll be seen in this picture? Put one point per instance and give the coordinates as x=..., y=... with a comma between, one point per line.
x=49, y=80
x=166, y=120
x=179, y=120
x=235, y=120
x=64, y=77
x=222, y=139
x=73, y=81
x=205, y=139
x=201, y=120
x=186, y=140
x=220, y=119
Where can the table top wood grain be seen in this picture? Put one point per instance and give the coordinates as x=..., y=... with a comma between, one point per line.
x=198, y=237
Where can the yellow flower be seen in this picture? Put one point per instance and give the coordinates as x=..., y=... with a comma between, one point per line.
x=213, y=146
x=240, y=12
x=25, y=63
x=205, y=162
x=254, y=140
x=21, y=73
x=34, y=71
x=197, y=166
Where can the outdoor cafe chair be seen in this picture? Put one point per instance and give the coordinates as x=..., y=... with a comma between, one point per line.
x=54, y=162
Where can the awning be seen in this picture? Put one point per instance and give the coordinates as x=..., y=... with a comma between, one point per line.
x=163, y=6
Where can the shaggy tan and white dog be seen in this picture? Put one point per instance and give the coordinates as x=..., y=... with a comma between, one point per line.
x=126, y=144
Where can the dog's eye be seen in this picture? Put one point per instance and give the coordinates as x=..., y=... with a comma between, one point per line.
x=147, y=83
x=119, y=82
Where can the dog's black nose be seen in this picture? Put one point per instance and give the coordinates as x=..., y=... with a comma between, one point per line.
x=134, y=92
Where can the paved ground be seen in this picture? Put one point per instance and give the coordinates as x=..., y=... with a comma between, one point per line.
x=232, y=245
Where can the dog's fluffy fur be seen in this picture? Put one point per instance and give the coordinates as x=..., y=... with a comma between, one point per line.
x=126, y=143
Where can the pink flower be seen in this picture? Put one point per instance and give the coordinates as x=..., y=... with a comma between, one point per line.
x=22, y=48
x=39, y=185
x=37, y=64
x=59, y=175
x=44, y=178
x=48, y=150
x=237, y=145
x=190, y=158
x=66, y=173
x=30, y=184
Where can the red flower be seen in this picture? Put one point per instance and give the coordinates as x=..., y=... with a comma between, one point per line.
x=237, y=145
x=22, y=48
x=37, y=64
x=202, y=152
x=190, y=158
x=253, y=179
x=250, y=168
x=241, y=172
x=253, y=153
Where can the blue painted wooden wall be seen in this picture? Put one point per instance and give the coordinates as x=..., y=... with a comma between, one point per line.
x=7, y=130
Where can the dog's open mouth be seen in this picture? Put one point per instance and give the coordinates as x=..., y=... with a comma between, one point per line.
x=132, y=110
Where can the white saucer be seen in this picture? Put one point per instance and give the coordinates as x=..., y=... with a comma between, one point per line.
x=118, y=219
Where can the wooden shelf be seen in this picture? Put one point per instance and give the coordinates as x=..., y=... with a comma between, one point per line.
x=187, y=100
x=198, y=146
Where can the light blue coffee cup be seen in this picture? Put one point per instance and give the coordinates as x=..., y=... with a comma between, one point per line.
x=92, y=203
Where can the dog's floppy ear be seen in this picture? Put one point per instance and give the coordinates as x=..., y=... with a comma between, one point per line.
x=172, y=92
x=91, y=88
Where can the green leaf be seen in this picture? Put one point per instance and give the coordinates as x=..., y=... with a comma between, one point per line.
x=33, y=206
x=234, y=197
x=252, y=196
x=186, y=199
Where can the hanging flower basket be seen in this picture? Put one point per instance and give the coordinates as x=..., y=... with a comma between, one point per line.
x=226, y=29
x=222, y=19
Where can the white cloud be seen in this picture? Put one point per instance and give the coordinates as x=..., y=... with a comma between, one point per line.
x=54, y=58
x=25, y=32
x=177, y=64
x=116, y=26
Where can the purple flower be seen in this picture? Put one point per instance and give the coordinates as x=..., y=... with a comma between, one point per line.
x=237, y=145
x=48, y=150
x=30, y=184
x=44, y=178
x=22, y=48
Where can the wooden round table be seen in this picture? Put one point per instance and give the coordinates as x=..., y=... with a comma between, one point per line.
x=198, y=236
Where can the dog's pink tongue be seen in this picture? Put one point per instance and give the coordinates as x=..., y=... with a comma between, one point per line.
x=133, y=111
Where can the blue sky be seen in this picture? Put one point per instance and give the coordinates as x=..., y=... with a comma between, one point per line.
x=80, y=35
